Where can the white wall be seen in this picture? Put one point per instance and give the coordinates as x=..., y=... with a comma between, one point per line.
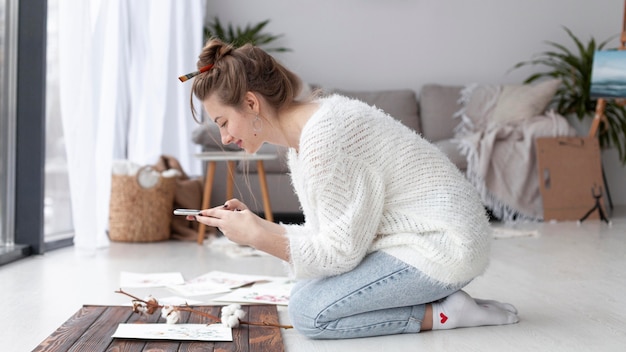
x=387, y=44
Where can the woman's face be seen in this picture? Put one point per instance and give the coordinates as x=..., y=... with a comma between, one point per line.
x=236, y=125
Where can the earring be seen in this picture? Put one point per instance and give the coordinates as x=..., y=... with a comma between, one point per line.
x=257, y=124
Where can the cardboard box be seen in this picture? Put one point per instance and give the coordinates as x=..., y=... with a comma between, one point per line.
x=570, y=177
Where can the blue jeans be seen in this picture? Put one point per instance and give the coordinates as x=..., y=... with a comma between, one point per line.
x=381, y=296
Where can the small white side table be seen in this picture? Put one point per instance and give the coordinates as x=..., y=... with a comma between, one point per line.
x=231, y=157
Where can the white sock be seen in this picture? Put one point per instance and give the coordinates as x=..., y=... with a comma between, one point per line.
x=488, y=302
x=460, y=310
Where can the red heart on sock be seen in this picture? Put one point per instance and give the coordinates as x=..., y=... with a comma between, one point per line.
x=443, y=317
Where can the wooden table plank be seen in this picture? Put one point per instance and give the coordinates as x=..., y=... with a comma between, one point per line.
x=91, y=327
x=265, y=338
x=98, y=336
x=240, y=338
x=133, y=345
x=67, y=334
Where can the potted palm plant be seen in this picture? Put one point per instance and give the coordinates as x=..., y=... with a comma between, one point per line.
x=238, y=36
x=573, y=68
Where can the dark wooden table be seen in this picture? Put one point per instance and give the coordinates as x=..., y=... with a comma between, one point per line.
x=91, y=327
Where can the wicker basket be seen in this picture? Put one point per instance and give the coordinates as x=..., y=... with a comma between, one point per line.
x=138, y=214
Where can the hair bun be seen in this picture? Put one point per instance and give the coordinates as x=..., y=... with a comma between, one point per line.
x=214, y=50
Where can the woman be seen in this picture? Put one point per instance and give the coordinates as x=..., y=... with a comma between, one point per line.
x=393, y=231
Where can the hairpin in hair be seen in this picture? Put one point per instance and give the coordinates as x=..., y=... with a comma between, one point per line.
x=183, y=78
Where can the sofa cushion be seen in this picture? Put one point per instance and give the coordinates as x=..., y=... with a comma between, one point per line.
x=451, y=148
x=478, y=102
x=400, y=104
x=438, y=104
x=523, y=101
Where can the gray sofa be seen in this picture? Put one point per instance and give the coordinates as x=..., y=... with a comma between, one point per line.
x=432, y=115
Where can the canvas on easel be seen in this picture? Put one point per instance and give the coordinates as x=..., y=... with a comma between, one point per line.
x=608, y=77
x=570, y=168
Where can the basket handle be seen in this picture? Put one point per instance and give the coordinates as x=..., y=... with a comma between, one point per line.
x=139, y=181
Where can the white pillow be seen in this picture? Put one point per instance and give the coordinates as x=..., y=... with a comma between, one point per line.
x=517, y=102
x=478, y=102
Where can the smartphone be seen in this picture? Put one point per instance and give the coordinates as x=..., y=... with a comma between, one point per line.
x=186, y=212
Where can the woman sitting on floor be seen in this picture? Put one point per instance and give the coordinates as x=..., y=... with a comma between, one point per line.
x=393, y=231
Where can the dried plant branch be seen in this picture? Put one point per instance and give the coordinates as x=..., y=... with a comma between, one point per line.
x=150, y=305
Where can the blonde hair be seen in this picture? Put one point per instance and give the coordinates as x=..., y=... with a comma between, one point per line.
x=236, y=71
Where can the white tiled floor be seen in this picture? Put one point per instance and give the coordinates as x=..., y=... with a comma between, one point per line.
x=567, y=283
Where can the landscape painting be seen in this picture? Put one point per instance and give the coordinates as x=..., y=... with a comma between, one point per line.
x=608, y=75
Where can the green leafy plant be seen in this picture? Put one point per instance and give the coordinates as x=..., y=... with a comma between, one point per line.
x=573, y=68
x=238, y=36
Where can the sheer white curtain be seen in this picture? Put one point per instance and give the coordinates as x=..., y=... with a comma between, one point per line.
x=120, y=96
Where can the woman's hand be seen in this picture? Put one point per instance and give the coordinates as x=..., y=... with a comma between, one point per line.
x=244, y=227
x=235, y=204
x=240, y=225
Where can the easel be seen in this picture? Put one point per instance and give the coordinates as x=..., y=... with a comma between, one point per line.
x=599, y=116
x=597, y=206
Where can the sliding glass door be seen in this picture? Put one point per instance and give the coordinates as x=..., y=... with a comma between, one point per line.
x=8, y=57
x=22, y=129
x=58, y=225
x=35, y=211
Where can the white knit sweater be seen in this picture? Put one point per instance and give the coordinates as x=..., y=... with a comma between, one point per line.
x=366, y=182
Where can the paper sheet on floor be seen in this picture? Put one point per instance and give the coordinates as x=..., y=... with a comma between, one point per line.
x=130, y=279
x=174, y=301
x=501, y=232
x=178, y=332
x=275, y=292
x=218, y=282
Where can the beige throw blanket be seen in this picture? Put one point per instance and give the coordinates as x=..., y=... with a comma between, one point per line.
x=501, y=155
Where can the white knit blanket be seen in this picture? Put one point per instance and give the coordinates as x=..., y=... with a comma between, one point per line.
x=501, y=156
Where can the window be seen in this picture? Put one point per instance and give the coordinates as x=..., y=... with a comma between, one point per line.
x=7, y=125
x=22, y=128
x=57, y=211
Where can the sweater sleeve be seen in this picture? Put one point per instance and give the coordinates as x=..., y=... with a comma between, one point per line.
x=345, y=200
